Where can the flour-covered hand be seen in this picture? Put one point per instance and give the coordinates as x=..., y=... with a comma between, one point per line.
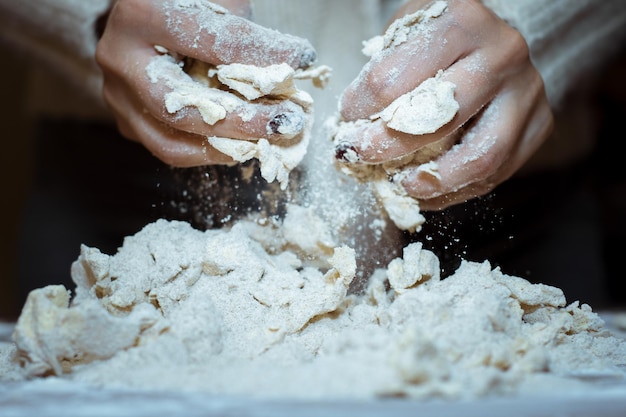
x=503, y=114
x=215, y=33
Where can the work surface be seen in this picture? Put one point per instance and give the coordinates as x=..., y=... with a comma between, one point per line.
x=54, y=397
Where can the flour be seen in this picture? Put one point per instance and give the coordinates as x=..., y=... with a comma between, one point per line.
x=263, y=309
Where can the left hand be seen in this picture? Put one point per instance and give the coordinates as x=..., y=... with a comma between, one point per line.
x=504, y=114
x=127, y=47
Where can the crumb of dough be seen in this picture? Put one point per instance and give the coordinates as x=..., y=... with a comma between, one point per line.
x=213, y=105
x=424, y=110
x=254, y=82
x=276, y=161
x=402, y=209
x=263, y=310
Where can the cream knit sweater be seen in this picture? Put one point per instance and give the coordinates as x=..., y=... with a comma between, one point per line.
x=59, y=34
x=568, y=39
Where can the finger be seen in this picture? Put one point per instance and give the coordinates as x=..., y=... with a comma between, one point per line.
x=249, y=121
x=210, y=35
x=491, y=150
x=438, y=44
x=236, y=118
x=470, y=169
x=459, y=197
x=377, y=143
x=174, y=147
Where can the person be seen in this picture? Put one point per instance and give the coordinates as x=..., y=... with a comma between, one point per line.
x=513, y=65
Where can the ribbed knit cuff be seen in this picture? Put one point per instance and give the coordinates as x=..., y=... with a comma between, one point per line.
x=60, y=34
x=568, y=40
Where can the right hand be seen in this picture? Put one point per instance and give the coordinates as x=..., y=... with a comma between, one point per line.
x=504, y=114
x=135, y=27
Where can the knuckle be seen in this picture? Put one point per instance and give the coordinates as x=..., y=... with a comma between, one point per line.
x=516, y=47
x=487, y=165
x=373, y=92
x=382, y=86
x=103, y=57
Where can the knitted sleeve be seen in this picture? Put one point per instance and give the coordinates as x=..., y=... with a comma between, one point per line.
x=568, y=39
x=61, y=34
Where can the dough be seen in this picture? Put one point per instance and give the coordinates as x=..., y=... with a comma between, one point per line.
x=263, y=310
x=201, y=87
x=424, y=110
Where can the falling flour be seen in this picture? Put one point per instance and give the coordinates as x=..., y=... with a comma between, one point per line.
x=263, y=308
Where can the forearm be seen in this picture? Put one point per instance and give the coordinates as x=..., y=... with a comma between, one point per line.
x=60, y=34
x=568, y=39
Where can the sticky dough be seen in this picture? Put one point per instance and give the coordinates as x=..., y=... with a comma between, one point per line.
x=201, y=87
x=263, y=310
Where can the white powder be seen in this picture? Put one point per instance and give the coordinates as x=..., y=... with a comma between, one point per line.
x=262, y=310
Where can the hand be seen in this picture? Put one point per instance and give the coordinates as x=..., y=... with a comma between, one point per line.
x=504, y=115
x=127, y=46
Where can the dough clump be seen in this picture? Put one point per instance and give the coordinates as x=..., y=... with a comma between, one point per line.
x=263, y=309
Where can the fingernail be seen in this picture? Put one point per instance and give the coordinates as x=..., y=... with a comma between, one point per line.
x=423, y=183
x=286, y=124
x=307, y=58
x=346, y=152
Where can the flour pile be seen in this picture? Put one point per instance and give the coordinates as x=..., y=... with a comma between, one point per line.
x=263, y=310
